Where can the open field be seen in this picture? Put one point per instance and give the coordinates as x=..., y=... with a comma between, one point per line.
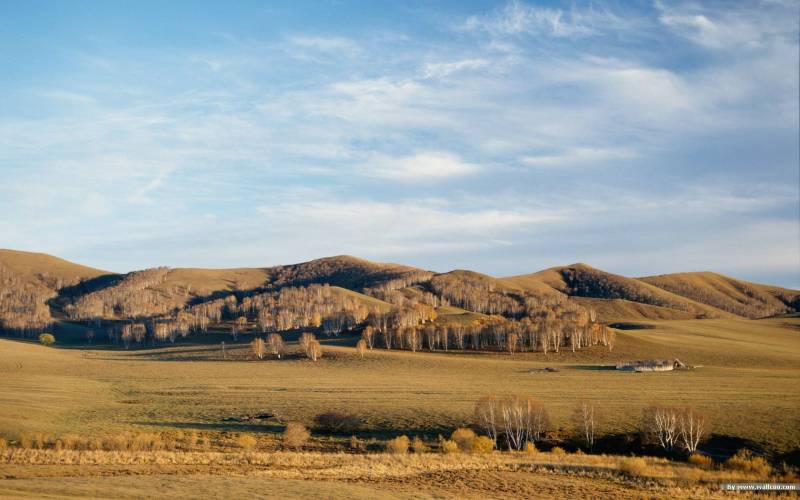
x=747, y=384
x=30, y=473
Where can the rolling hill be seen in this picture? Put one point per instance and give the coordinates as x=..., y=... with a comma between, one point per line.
x=615, y=298
x=594, y=286
x=739, y=297
x=45, y=270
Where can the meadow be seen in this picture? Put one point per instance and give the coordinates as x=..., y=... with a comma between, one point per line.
x=745, y=381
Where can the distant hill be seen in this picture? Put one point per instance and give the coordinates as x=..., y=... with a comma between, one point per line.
x=347, y=272
x=582, y=280
x=45, y=270
x=735, y=296
x=463, y=293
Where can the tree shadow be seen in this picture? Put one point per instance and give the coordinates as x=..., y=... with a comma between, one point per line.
x=595, y=368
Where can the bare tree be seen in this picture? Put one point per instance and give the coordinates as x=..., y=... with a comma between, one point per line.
x=586, y=421
x=361, y=347
x=487, y=413
x=276, y=345
x=693, y=428
x=314, y=350
x=368, y=334
x=305, y=341
x=258, y=347
x=662, y=424
x=512, y=339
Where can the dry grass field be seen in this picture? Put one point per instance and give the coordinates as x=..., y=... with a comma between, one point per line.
x=747, y=384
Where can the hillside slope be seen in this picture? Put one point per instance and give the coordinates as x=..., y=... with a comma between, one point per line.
x=581, y=280
x=45, y=270
x=347, y=272
x=739, y=297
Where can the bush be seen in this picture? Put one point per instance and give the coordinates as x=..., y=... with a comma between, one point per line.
x=419, y=446
x=482, y=444
x=47, y=339
x=745, y=461
x=295, y=435
x=530, y=448
x=398, y=445
x=633, y=466
x=463, y=438
x=558, y=451
x=73, y=442
x=246, y=441
x=357, y=444
x=701, y=461
x=336, y=422
x=449, y=446
x=191, y=439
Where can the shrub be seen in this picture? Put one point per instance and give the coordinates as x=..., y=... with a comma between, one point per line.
x=246, y=441
x=398, y=445
x=558, y=451
x=419, y=446
x=97, y=444
x=745, y=461
x=463, y=438
x=449, y=446
x=295, y=435
x=146, y=442
x=482, y=444
x=73, y=442
x=47, y=339
x=701, y=461
x=690, y=474
x=24, y=442
x=356, y=444
x=530, y=448
x=204, y=443
x=117, y=443
x=633, y=466
x=336, y=422
x=191, y=439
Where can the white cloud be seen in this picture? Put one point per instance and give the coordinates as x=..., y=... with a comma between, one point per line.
x=518, y=18
x=579, y=157
x=739, y=27
x=327, y=45
x=426, y=166
x=443, y=69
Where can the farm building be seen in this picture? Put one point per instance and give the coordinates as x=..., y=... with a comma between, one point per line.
x=651, y=365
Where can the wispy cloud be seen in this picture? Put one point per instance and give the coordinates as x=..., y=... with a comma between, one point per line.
x=579, y=157
x=518, y=18
x=427, y=166
x=443, y=69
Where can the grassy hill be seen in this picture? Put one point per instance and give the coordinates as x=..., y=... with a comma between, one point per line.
x=735, y=296
x=582, y=280
x=615, y=298
x=46, y=270
x=347, y=272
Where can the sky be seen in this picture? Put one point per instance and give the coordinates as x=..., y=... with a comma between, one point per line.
x=503, y=137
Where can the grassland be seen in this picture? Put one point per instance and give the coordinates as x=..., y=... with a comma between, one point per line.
x=747, y=385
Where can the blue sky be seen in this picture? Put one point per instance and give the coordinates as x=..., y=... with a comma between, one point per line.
x=504, y=137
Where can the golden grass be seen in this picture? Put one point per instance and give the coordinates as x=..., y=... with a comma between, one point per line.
x=747, y=385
